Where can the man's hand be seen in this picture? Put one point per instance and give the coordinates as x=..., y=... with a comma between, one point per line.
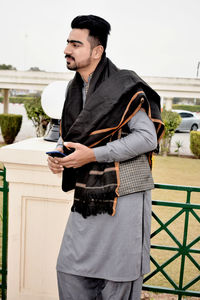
x=81, y=156
x=53, y=163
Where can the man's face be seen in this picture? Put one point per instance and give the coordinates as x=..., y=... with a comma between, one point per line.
x=78, y=50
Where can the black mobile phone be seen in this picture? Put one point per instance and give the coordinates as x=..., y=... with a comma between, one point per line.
x=55, y=154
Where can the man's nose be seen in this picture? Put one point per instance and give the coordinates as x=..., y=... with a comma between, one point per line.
x=67, y=49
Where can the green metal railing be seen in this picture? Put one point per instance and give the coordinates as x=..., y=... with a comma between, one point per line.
x=183, y=249
x=4, y=219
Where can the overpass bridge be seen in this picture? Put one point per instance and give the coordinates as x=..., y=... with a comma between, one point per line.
x=166, y=87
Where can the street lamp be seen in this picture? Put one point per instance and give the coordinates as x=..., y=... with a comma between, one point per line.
x=52, y=100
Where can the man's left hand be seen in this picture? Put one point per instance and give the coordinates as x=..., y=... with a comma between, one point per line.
x=81, y=156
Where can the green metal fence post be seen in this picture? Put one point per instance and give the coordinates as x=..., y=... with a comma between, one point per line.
x=184, y=245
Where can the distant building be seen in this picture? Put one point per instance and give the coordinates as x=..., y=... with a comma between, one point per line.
x=186, y=101
x=23, y=92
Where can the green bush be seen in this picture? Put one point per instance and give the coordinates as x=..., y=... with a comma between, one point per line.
x=18, y=99
x=195, y=143
x=10, y=126
x=37, y=115
x=171, y=121
x=194, y=108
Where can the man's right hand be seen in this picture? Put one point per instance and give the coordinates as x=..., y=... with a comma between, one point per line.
x=53, y=163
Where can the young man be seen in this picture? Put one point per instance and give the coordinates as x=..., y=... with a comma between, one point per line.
x=111, y=119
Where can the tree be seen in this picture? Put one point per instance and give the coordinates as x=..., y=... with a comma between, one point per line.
x=35, y=69
x=37, y=115
x=171, y=121
x=7, y=67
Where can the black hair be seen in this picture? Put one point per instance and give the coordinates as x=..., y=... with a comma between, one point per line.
x=98, y=28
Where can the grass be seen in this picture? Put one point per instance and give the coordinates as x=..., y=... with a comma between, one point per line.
x=177, y=171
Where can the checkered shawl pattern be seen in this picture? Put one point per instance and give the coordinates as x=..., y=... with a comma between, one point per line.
x=135, y=175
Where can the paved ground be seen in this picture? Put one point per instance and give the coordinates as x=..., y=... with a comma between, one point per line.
x=156, y=296
x=184, y=138
x=28, y=130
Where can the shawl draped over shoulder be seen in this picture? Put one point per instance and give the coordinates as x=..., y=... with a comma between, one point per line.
x=113, y=98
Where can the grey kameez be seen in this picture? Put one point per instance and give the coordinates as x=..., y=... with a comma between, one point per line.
x=114, y=248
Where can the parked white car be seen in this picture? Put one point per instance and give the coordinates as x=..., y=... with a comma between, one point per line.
x=190, y=120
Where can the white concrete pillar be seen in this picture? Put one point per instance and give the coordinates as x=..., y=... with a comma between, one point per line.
x=5, y=100
x=168, y=103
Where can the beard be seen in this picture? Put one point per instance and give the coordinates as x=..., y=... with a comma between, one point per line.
x=76, y=66
x=71, y=67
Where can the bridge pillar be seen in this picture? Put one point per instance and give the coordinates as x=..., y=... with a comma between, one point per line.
x=168, y=103
x=5, y=101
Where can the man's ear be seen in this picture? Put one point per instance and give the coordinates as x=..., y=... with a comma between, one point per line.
x=97, y=52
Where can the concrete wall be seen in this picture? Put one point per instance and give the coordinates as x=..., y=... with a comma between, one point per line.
x=38, y=211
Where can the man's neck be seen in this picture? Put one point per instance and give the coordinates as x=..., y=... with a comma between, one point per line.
x=85, y=74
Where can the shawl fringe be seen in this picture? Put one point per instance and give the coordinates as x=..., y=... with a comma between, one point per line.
x=93, y=208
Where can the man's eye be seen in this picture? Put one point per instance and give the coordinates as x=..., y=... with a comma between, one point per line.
x=76, y=45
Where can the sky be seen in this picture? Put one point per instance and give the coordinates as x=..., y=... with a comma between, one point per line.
x=151, y=37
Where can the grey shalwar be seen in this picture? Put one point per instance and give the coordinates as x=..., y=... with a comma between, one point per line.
x=114, y=250
x=73, y=287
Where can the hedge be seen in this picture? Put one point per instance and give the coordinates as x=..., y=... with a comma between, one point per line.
x=194, y=108
x=195, y=143
x=20, y=99
x=10, y=126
